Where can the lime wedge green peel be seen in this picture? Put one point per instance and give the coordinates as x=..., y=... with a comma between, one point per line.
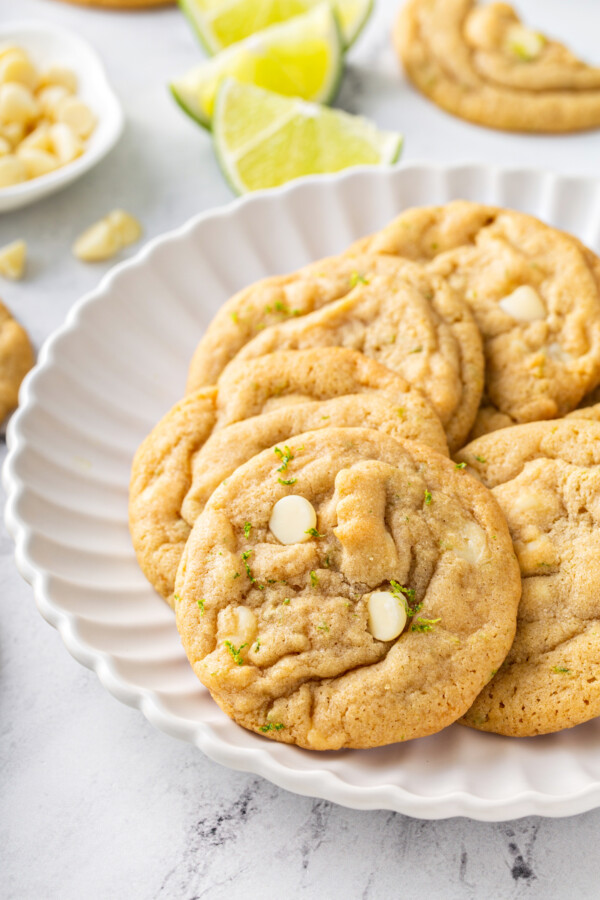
x=220, y=23
x=300, y=58
x=263, y=139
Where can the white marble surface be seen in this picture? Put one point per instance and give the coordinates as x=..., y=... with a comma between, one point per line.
x=93, y=801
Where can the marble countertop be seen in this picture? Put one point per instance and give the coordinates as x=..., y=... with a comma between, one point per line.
x=94, y=802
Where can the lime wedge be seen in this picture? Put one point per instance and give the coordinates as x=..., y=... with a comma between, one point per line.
x=263, y=139
x=300, y=58
x=219, y=23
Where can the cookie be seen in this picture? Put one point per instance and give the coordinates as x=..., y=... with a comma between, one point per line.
x=179, y=464
x=275, y=300
x=16, y=359
x=546, y=478
x=483, y=65
x=414, y=324
x=122, y=4
x=534, y=292
x=379, y=623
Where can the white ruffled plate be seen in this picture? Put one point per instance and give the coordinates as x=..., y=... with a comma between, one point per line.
x=118, y=364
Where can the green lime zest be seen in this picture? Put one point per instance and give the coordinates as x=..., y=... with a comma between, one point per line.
x=462, y=465
x=428, y=497
x=236, y=652
x=357, y=278
x=287, y=481
x=561, y=670
x=247, y=529
x=245, y=557
x=314, y=532
x=286, y=456
x=407, y=596
x=480, y=459
x=201, y=606
x=314, y=578
x=272, y=726
x=424, y=625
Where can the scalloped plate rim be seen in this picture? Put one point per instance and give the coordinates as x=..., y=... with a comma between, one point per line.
x=308, y=782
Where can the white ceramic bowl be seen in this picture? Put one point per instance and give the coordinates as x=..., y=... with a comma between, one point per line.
x=116, y=366
x=47, y=44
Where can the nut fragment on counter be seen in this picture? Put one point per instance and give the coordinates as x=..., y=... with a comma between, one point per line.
x=43, y=123
x=12, y=260
x=104, y=239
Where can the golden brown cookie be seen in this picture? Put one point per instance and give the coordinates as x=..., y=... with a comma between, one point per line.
x=534, y=292
x=122, y=4
x=378, y=624
x=276, y=300
x=482, y=64
x=546, y=478
x=414, y=324
x=272, y=399
x=16, y=359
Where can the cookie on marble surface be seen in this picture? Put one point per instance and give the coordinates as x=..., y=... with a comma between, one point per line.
x=122, y=4
x=362, y=599
x=414, y=324
x=481, y=64
x=179, y=464
x=275, y=300
x=546, y=478
x=16, y=359
x=534, y=292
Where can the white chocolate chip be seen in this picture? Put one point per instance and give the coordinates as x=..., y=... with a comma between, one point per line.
x=292, y=517
x=76, y=115
x=65, y=143
x=16, y=66
x=105, y=238
x=98, y=243
x=37, y=162
x=524, y=43
x=387, y=615
x=12, y=260
x=12, y=171
x=470, y=544
x=13, y=132
x=38, y=139
x=524, y=304
x=59, y=75
x=50, y=97
x=242, y=625
x=17, y=104
x=127, y=226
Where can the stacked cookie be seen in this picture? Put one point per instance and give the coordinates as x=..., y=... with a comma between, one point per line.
x=337, y=580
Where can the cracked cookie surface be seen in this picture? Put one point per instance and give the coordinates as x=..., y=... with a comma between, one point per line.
x=482, y=64
x=546, y=478
x=415, y=324
x=190, y=451
x=279, y=633
x=533, y=290
x=274, y=300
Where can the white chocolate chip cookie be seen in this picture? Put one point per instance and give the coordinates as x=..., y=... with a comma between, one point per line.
x=534, y=292
x=190, y=452
x=382, y=626
x=482, y=64
x=412, y=322
x=546, y=478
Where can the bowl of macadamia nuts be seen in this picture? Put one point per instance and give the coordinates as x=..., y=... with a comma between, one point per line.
x=58, y=113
